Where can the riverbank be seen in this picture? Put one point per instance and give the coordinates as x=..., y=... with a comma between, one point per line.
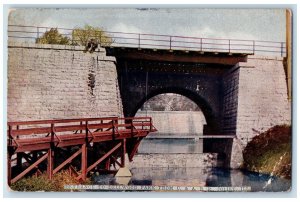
x=42, y=183
x=270, y=152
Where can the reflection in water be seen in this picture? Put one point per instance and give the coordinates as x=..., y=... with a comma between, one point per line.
x=180, y=145
x=210, y=177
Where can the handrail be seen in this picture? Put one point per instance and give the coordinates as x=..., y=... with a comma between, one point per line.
x=169, y=42
x=55, y=127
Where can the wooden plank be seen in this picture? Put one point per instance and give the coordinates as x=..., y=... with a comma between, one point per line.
x=104, y=157
x=50, y=163
x=31, y=131
x=8, y=168
x=58, y=168
x=116, y=161
x=59, y=121
x=83, y=162
x=33, y=147
x=22, y=174
x=123, y=153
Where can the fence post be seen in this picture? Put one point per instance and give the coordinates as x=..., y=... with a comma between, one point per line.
x=84, y=161
x=281, y=49
x=10, y=137
x=201, y=45
x=150, y=124
x=52, y=133
x=253, y=47
x=9, y=167
x=123, y=155
x=50, y=162
x=170, y=42
x=139, y=41
x=100, y=38
x=113, y=129
x=38, y=32
x=229, y=45
x=131, y=126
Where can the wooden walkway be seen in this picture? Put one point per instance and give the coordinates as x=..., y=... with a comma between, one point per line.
x=36, y=142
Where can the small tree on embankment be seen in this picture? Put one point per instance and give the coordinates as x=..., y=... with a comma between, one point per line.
x=88, y=36
x=270, y=152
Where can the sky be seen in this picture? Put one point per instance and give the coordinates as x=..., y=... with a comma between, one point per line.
x=250, y=24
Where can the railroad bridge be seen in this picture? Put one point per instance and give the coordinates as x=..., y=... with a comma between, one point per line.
x=240, y=91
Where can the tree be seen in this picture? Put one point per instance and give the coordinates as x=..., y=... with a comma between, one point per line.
x=53, y=37
x=90, y=35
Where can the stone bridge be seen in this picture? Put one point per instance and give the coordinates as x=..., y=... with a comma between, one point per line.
x=239, y=94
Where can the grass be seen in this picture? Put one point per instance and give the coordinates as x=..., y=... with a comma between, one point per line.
x=270, y=152
x=42, y=183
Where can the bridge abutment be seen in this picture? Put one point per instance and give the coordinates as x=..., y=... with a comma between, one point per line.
x=57, y=82
x=262, y=101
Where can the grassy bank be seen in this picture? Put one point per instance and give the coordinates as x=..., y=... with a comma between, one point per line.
x=270, y=152
x=42, y=183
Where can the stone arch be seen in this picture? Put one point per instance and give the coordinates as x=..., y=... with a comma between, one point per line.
x=211, y=127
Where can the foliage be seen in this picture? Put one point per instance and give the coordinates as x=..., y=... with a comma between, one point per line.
x=81, y=36
x=270, y=152
x=53, y=37
x=42, y=183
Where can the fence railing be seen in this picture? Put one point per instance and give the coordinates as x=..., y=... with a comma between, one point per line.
x=55, y=130
x=156, y=41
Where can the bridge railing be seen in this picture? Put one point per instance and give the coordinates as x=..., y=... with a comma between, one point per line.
x=156, y=41
x=53, y=129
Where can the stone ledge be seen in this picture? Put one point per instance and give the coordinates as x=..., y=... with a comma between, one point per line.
x=175, y=160
x=264, y=57
x=16, y=44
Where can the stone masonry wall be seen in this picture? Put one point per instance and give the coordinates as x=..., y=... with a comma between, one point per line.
x=262, y=101
x=60, y=82
x=230, y=100
x=176, y=122
x=174, y=160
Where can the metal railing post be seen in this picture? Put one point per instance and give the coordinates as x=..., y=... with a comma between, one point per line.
x=139, y=41
x=100, y=38
x=229, y=45
x=253, y=47
x=170, y=42
x=281, y=49
x=201, y=44
x=38, y=32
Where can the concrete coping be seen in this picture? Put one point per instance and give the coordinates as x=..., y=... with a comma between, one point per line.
x=265, y=57
x=18, y=44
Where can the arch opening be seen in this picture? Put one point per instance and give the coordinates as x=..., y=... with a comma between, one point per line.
x=179, y=121
x=211, y=126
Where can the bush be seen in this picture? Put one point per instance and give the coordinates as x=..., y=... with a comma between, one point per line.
x=42, y=183
x=53, y=37
x=82, y=36
x=270, y=152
